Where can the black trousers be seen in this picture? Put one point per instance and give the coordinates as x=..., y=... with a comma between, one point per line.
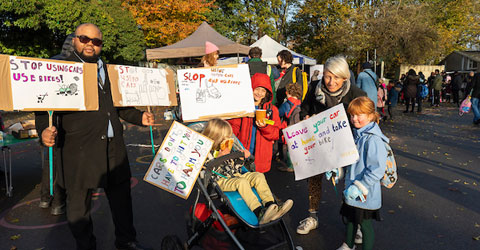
x=436, y=97
x=79, y=207
x=408, y=101
x=58, y=191
x=419, y=103
x=456, y=97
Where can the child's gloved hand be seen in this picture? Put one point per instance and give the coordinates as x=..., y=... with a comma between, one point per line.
x=337, y=174
x=332, y=173
x=353, y=192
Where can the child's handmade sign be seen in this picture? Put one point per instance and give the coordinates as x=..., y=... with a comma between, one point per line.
x=139, y=86
x=41, y=84
x=224, y=92
x=321, y=143
x=179, y=160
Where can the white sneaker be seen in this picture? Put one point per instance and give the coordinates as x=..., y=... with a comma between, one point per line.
x=269, y=213
x=344, y=246
x=283, y=209
x=306, y=225
x=359, y=236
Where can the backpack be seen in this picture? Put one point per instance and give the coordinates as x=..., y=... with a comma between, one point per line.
x=390, y=177
x=424, y=92
x=304, y=81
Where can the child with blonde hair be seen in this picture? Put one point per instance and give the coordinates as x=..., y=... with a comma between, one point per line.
x=229, y=176
x=363, y=194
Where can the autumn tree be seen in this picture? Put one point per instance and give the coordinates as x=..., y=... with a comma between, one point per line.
x=165, y=22
x=37, y=28
x=246, y=21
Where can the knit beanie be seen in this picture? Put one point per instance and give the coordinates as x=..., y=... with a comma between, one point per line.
x=210, y=47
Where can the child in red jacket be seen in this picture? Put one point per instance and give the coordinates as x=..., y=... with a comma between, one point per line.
x=258, y=136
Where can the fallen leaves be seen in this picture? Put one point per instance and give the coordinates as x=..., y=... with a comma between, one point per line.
x=15, y=237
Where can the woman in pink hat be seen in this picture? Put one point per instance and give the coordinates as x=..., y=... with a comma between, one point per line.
x=211, y=55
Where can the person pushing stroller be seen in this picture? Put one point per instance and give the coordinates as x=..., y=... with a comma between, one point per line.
x=229, y=176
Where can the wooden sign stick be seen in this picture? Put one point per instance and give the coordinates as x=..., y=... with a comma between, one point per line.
x=151, y=136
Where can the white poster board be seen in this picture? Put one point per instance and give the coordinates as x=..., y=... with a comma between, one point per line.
x=179, y=160
x=140, y=86
x=215, y=92
x=321, y=143
x=39, y=84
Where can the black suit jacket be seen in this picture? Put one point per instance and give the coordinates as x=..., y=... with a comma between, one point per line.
x=82, y=142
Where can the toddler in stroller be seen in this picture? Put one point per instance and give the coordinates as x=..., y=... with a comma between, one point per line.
x=230, y=174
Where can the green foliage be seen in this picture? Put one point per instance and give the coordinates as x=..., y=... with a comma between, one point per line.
x=245, y=21
x=402, y=32
x=38, y=28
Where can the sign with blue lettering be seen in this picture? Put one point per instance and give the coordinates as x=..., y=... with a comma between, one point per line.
x=179, y=160
x=321, y=143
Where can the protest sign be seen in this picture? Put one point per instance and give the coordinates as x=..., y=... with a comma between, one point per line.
x=42, y=84
x=140, y=86
x=179, y=160
x=224, y=92
x=321, y=143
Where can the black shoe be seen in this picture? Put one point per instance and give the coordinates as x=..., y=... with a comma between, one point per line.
x=406, y=111
x=130, y=246
x=58, y=210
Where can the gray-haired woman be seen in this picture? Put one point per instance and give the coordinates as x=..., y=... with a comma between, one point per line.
x=334, y=88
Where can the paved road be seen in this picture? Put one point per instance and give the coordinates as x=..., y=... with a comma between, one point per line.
x=434, y=205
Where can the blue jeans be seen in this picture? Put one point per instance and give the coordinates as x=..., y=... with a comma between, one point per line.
x=476, y=109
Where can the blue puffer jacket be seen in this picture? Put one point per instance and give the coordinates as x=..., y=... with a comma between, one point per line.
x=370, y=168
x=367, y=84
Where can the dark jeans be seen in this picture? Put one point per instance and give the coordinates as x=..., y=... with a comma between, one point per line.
x=390, y=111
x=419, y=103
x=436, y=97
x=456, y=97
x=408, y=101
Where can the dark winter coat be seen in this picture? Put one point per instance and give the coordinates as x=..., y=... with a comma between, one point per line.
x=83, y=144
x=286, y=79
x=310, y=106
x=410, y=86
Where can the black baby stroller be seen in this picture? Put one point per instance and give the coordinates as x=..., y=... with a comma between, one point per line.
x=222, y=220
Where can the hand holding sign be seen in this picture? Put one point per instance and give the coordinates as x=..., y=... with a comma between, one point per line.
x=324, y=138
x=48, y=136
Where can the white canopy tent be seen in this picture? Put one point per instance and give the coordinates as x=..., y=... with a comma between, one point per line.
x=270, y=49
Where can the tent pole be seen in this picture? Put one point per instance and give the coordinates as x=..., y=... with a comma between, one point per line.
x=238, y=58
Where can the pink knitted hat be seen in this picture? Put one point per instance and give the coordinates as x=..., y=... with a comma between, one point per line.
x=210, y=47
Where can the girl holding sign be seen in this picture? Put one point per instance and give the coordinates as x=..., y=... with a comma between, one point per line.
x=363, y=194
x=334, y=88
x=258, y=135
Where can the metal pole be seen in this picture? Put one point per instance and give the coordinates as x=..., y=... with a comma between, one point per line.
x=375, y=61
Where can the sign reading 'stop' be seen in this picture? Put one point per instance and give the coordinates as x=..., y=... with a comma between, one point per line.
x=42, y=84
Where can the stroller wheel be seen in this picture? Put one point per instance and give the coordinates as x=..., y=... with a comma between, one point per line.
x=172, y=242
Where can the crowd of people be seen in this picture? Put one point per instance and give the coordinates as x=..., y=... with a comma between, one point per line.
x=93, y=155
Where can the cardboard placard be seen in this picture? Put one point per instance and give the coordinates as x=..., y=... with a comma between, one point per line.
x=33, y=84
x=140, y=86
x=222, y=92
x=179, y=160
x=321, y=143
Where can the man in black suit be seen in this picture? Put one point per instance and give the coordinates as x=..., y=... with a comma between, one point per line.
x=93, y=151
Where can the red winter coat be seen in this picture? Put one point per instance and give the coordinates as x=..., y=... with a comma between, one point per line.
x=266, y=136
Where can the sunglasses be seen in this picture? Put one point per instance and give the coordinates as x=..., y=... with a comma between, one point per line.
x=86, y=39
